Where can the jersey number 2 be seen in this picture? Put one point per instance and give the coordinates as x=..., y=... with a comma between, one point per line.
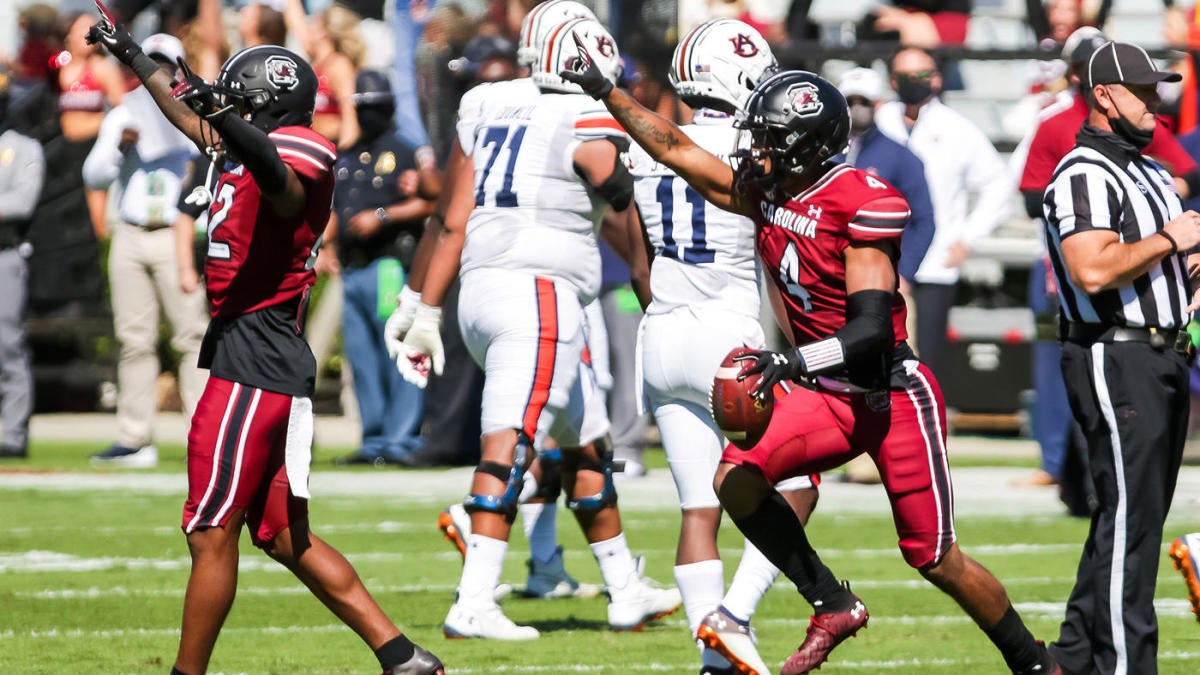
x=500, y=138
x=217, y=249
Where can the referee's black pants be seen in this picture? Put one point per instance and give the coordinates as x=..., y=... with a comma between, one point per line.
x=1132, y=402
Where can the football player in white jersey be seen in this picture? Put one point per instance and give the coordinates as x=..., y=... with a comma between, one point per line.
x=537, y=174
x=547, y=577
x=705, y=288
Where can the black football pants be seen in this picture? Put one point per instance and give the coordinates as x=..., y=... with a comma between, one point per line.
x=1132, y=402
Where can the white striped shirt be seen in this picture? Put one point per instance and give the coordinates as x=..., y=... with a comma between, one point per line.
x=1098, y=186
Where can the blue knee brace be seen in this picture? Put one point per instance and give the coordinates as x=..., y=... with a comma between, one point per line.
x=607, y=496
x=504, y=504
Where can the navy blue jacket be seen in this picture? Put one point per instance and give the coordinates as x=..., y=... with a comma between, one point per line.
x=896, y=164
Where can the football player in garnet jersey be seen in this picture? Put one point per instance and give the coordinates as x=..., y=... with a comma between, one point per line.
x=251, y=436
x=704, y=281
x=828, y=236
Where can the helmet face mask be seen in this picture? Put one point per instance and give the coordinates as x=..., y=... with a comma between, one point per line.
x=795, y=120
x=269, y=86
x=718, y=64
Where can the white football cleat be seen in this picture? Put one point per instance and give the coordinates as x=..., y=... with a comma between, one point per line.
x=487, y=622
x=549, y=580
x=736, y=642
x=640, y=601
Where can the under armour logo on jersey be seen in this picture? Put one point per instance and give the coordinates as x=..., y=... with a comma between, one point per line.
x=814, y=211
x=875, y=183
x=779, y=359
x=806, y=99
x=743, y=46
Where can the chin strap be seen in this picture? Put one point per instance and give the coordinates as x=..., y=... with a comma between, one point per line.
x=201, y=195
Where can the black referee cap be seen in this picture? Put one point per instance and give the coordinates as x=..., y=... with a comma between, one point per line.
x=1123, y=63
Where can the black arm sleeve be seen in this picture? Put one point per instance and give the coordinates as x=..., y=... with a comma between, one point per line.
x=255, y=150
x=617, y=190
x=1033, y=203
x=868, y=333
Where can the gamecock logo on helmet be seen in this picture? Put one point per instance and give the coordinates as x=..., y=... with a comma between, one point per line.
x=805, y=98
x=743, y=46
x=605, y=46
x=281, y=72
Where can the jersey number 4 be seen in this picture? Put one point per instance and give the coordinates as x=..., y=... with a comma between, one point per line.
x=217, y=213
x=789, y=275
x=500, y=138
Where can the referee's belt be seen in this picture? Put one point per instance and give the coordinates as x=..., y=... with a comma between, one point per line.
x=1158, y=338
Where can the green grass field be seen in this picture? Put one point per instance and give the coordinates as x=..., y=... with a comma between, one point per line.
x=92, y=580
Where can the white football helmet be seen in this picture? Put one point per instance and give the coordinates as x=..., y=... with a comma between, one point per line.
x=541, y=21
x=718, y=63
x=560, y=52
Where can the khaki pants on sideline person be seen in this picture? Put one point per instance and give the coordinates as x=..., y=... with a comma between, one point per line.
x=142, y=278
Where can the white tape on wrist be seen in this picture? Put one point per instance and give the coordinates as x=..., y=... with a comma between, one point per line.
x=822, y=355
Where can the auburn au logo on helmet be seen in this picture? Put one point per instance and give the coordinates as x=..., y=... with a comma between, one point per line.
x=743, y=46
x=605, y=45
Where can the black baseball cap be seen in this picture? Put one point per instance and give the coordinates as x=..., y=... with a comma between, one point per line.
x=1123, y=63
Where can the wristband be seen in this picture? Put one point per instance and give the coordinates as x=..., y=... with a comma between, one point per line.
x=1168, y=237
x=143, y=66
x=381, y=214
x=822, y=355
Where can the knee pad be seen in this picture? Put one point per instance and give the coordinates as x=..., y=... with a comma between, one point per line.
x=550, y=486
x=607, y=496
x=513, y=477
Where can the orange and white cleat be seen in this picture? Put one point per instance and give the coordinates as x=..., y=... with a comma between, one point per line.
x=1185, y=556
x=455, y=524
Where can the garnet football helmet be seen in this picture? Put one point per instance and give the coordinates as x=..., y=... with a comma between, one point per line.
x=269, y=86
x=561, y=52
x=718, y=63
x=795, y=119
x=540, y=22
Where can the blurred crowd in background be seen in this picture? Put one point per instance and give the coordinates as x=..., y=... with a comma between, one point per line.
x=114, y=298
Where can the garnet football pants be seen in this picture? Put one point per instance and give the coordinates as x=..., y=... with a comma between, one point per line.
x=814, y=431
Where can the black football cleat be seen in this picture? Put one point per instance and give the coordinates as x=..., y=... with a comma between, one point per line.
x=421, y=663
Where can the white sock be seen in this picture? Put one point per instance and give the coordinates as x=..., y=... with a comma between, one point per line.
x=753, y=578
x=616, y=562
x=540, y=521
x=481, y=570
x=701, y=584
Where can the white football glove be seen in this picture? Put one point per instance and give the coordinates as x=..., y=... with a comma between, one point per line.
x=424, y=338
x=400, y=321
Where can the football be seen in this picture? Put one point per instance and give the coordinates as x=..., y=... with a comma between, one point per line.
x=741, y=417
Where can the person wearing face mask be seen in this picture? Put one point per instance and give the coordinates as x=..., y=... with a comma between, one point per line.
x=378, y=215
x=1121, y=247
x=967, y=181
x=878, y=155
x=881, y=156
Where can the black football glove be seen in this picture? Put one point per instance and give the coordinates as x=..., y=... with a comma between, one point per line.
x=775, y=368
x=113, y=36
x=582, y=71
x=198, y=94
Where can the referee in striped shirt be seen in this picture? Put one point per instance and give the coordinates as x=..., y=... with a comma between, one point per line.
x=1118, y=239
